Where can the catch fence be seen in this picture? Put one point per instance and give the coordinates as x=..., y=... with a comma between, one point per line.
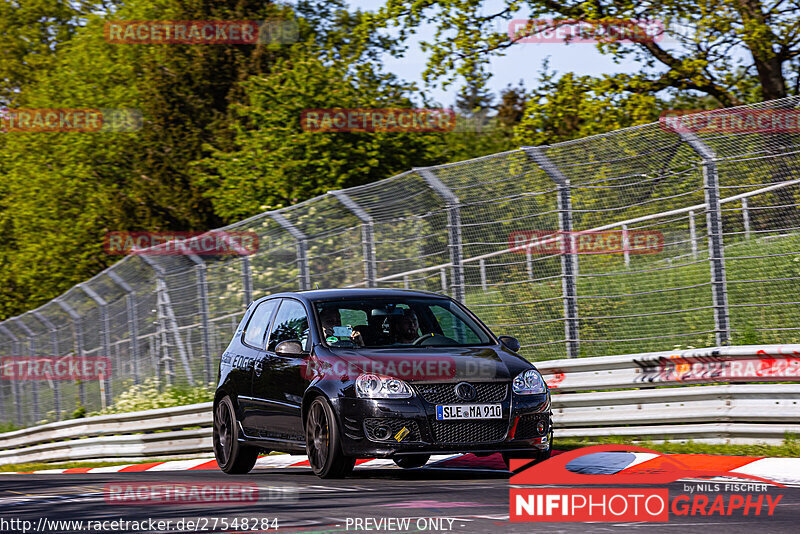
x=639, y=240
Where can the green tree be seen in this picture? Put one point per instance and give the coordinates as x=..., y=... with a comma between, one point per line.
x=717, y=45
x=572, y=106
x=277, y=163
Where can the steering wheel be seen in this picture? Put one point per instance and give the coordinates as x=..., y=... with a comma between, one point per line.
x=439, y=340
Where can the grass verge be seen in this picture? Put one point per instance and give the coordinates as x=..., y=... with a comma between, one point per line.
x=39, y=466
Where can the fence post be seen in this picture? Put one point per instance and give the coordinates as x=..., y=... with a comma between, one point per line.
x=626, y=245
x=453, y=227
x=202, y=295
x=31, y=354
x=746, y=218
x=569, y=257
x=161, y=287
x=133, y=320
x=106, y=339
x=15, y=385
x=300, y=238
x=247, y=281
x=56, y=352
x=693, y=234
x=367, y=236
x=714, y=223
x=78, y=338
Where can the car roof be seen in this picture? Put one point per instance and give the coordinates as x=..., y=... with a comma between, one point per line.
x=325, y=294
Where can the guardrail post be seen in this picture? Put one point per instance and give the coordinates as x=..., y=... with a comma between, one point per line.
x=15, y=385
x=56, y=352
x=202, y=295
x=714, y=224
x=247, y=281
x=133, y=320
x=569, y=256
x=31, y=354
x=367, y=236
x=453, y=228
x=78, y=338
x=106, y=339
x=302, y=257
x=163, y=292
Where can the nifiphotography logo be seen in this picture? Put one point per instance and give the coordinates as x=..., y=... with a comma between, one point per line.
x=625, y=495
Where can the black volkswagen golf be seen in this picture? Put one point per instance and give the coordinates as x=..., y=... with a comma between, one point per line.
x=362, y=373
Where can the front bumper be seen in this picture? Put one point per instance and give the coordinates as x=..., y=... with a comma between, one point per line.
x=374, y=427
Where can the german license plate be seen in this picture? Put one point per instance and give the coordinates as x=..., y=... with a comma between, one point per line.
x=468, y=411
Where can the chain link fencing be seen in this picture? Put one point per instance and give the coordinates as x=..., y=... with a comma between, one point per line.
x=721, y=207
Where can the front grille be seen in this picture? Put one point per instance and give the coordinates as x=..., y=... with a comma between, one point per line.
x=526, y=426
x=446, y=393
x=469, y=431
x=373, y=427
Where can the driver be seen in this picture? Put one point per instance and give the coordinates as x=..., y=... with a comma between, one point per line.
x=330, y=318
x=406, y=328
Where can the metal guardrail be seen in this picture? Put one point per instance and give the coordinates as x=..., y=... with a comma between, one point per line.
x=598, y=396
x=132, y=435
x=604, y=396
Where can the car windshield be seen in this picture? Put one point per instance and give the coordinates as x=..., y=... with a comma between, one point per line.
x=397, y=322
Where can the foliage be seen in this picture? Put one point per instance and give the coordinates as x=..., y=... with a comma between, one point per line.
x=151, y=394
x=276, y=163
x=574, y=106
x=713, y=47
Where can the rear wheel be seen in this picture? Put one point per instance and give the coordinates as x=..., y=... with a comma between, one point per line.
x=232, y=456
x=412, y=460
x=322, y=442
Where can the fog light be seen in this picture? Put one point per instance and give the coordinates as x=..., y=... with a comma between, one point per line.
x=383, y=432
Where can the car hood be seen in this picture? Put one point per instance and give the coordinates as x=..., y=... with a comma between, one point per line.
x=425, y=364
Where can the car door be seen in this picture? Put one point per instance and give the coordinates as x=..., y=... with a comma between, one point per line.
x=250, y=354
x=279, y=384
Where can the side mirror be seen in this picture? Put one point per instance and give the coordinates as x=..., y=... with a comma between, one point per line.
x=511, y=343
x=290, y=347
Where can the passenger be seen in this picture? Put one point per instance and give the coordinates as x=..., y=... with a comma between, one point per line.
x=406, y=329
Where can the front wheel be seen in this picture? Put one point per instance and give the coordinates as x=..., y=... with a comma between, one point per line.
x=322, y=442
x=232, y=456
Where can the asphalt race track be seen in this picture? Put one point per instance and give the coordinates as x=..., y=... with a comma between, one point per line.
x=477, y=500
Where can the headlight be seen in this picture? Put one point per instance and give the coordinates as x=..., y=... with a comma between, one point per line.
x=529, y=382
x=381, y=387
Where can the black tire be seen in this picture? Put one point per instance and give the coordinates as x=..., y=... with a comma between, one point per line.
x=233, y=457
x=323, y=447
x=411, y=461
